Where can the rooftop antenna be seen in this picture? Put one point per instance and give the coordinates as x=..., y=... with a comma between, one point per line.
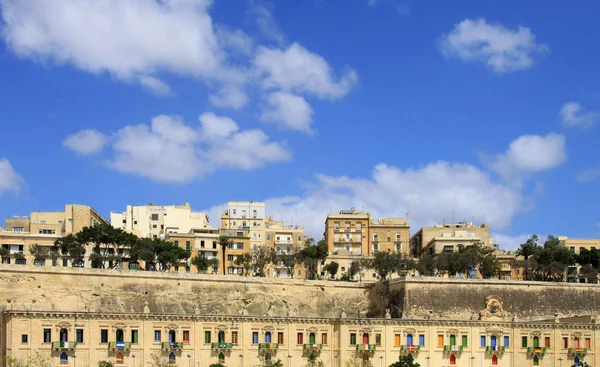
x=452, y=215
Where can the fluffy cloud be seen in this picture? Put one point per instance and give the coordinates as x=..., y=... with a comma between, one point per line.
x=500, y=48
x=588, y=175
x=168, y=150
x=288, y=110
x=10, y=180
x=229, y=96
x=155, y=85
x=531, y=154
x=262, y=14
x=296, y=69
x=572, y=114
x=85, y=142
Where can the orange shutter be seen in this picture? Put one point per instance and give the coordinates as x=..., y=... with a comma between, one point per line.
x=397, y=340
x=440, y=340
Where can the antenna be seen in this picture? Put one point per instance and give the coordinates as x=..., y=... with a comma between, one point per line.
x=452, y=215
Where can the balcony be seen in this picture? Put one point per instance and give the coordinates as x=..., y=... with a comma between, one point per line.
x=580, y=352
x=119, y=345
x=410, y=348
x=453, y=348
x=63, y=345
x=311, y=347
x=268, y=346
x=536, y=350
x=365, y=347
x=171, y=345
x=497, y=349
x=221, y=346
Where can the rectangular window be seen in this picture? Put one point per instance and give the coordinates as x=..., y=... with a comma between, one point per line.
x=186, y=337
x=352, y=338
x=255, y=337
x=506, y=341
x=206, y=336
x=176, y=243
x=524, y=342
x=280, y=338
x=547, y=342
x=464, y=341
x=588, y=343
x=157, y=337
x=154, y=226
x=565, y=343
x=201, y=243
x=378, y=339
x=300, y=338
x=24, y=338
x=396, y=340
x=422, y=340
x=79, y=336
x=230, y=258
x=103, y=336
x=234, y=337
x=440, y=340
x=482, y=343
x=134, y=336
x=188, y=245
x=47, y=336
x=324, y=338
x=154, y=216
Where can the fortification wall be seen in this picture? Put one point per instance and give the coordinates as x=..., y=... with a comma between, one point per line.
x=460, y=299
x=97, y=290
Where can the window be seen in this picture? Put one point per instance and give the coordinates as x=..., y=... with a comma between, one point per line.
x=6, y=260
x=352, y=338
x=506, y=341
x=207, y=337
x=396, y=340
x=255, y=337
x=375, y=237
x=157, y=337
x=452, y=339
x=536, y=361
x=280, y=337
x=254, y=213
x=547, y=342
x=464, y=341
x=24, y=338
x=312, y=338
x=440, y=340
x=300, y=338
x=452, y=360
x=588, y=343
x=482, y=342
x=448, y=248
x=324, y=338
x=365, y=339
x=230, y=258
x=299, y=238
x=120, y=335
x=565, y=342
x=47, y=231
x=47, y=336
x=188, y=245
x=378, y=339
x=79, y=335
x=221, y=358
x=268, y=337
x=172, y=357
x=536, y=342
x=154, y=216
x=18, y=229
x=336, y=225
x=134, y=336
x=119, y=358
x=21, y=261
x=347, y=224
x=523, y=342
x=422, y=340
x=214, y=244
x=154, y=226
x=134, y=222
x=409, y=339
x=186, y=337
x=104, y=336
x=493, y=341
x=575, y=343
x=358, y=226
x=234, y=337
x=64, y=358
x=494, y=360
x=234, y=210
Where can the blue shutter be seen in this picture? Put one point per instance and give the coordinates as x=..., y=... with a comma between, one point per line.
x=422, y=340
x=493, y=341
x=409, y=339
x=506, y=342
x=483, y=340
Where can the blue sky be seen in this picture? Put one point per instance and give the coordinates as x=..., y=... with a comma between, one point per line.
x=484, y=109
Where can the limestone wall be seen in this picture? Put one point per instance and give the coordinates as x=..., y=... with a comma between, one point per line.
x=67, y=289
x=463, y=299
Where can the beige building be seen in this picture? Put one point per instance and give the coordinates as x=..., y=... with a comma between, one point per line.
x=449, y=238
x=575, y=245
x=157, y=221
x=42, y=229
x=200, y=242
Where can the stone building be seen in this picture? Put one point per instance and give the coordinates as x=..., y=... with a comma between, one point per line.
x=449, y=238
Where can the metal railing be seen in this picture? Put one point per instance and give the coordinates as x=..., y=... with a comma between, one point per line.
x=119, y=345
x=64, y=345
x=268, y=346
x=453, y=348
x=366, y=347
x=172, y=345
x=222, y=345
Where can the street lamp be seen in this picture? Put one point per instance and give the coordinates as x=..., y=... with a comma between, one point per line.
x=133, y=359
x=472, y=358
x=560, y=361
x=427, y=358
x=381, y=359
x=289, y=360
x=189, y=359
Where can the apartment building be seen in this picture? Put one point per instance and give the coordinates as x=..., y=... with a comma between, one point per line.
x=449, y=237
x=156, y=221
x=42, y=229
x=575, y=245
x=200, y=242
x=248, y=216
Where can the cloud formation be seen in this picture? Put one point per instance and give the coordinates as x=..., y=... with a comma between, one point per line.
x=572, y=114
x=288, y=110
x=85, y=142
x=10, y=180
x=500, y=48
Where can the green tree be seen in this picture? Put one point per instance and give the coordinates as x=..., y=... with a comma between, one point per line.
x=144, y=249
x=71, y=247
x=331, y=268
x=486, y=262
x=245, y=261
x=109, y=245
x=37, y=360
x=214, y=264
x=3, y=252
x=201, y=263
x=384, y=264
x=356, y=268
x=528, y=250
x=224, y=242
x=169, y=254
x=405, y=361
x=427, y=264
x=289, y=259
x=311, y=255
x=105, y=364
x=39, y=252
x=552, y=260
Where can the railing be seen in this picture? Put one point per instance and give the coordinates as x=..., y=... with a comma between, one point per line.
x=366, y=347
x=453, y=348
x=262, y=346
x=64, y=345
x=536, y=350
x=410, y=348
x=308, y=347
x=577, y=351
x=222, y=345
x=496, y=348
x=119, y=345
x=172, y=345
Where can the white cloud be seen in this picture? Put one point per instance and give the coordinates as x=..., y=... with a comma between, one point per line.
x=298, y=70
x=288, y=110
x=531, y=154
x=229, y=96
x=572, y=114
x=10, y=180
x=234, y=40
x=588, y=175
x=86, y=142
x=155, y=85
x=262, y=14
x=508, y=242
x=500, y=48
x=168, y=150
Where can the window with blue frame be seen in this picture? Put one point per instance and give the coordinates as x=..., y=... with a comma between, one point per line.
x=255, y=337
x=157, y=336
x=64, y=358
x=483, y=342
x=422, y=340
x=506, y=341
x=493, y=341
x=409, y=339
x=268, y=337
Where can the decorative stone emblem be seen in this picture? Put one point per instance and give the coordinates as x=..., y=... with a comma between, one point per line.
x=493, y=309
x=387, y=313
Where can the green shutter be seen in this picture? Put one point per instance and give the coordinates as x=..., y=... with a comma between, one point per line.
x=536, y=342
x=134, y=336
x=207, y=337
x=524, y=341
x=452, y=339
x=464, y=340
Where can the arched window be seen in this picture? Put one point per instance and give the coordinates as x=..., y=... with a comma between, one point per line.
x=64, y=358
x=171, y=336
x=120, y=335
x=494, y=360
x=409, y=339
x=452, y=339
x=366, y=338
x=576, y=361
x=536, y=361
x=312, y=338
x=268, y=337
x=536, y=342
x=119, y=358
x=452, y=359
x=221, y=358
x=267, y=358
x=171, y=357
x=493, y=341
x=221, y=336
x=575, y=342
x=410, y=357
x=64, y=335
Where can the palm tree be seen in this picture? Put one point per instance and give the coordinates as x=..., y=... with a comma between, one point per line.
x=224, y=242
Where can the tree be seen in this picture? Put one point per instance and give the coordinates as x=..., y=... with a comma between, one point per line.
x=71, y=247
x=427, y=264
x=527, y=250
x=356, y=268
x=39, y=252
x=201, y=263
x=384, y=263
x=214, y=264
x=144, y=249
x=3, y=252
x=311, y=255
x=169, y=254
x=331, y=268
x=486, y=262
x=289, y=259
x=156, y=360
x=405, y=361
x=256, y=260
x=37, y=360
x=110, y=245
x=105, y=364
x=224, y=242
x=245, y=261
x=552, y=260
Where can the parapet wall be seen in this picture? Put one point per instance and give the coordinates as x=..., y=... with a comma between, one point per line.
x=461, y=299
x=98, y=290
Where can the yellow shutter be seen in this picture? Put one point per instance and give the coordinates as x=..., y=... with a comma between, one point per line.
x=440, y=340
x=397, y=340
